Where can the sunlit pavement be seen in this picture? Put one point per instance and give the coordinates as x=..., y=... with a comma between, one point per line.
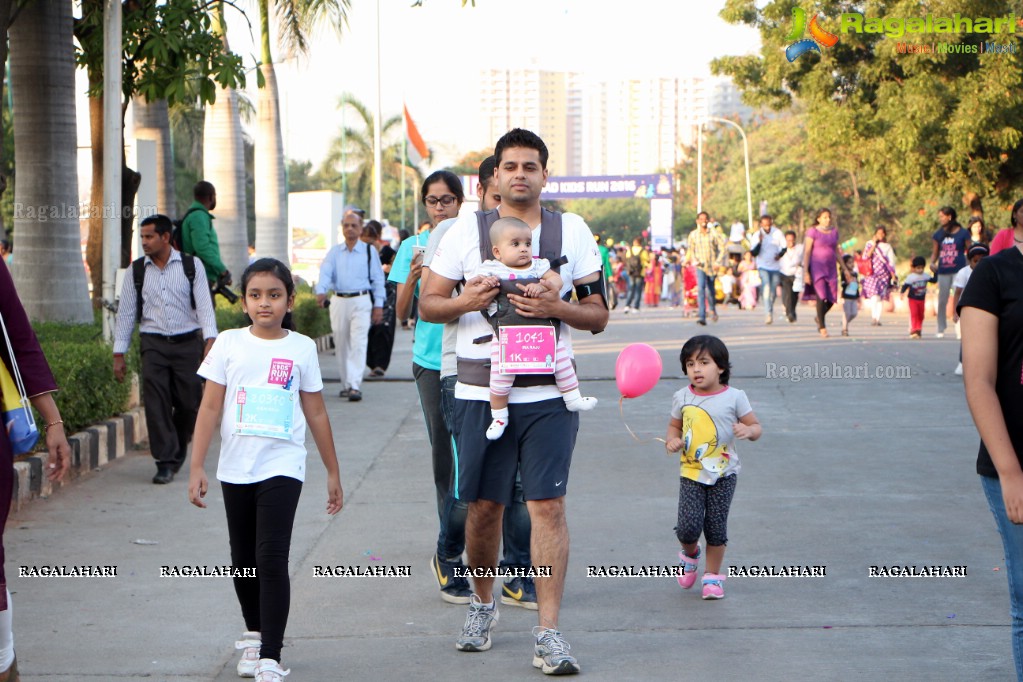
x=850, y=473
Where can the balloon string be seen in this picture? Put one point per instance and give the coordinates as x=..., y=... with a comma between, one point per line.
x=621, y=411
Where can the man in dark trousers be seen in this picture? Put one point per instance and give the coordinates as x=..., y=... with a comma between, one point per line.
x=198, y=236
x=542, y=432
x=174, y=317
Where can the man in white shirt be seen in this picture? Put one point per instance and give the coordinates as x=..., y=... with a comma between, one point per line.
x=353, y=272
x=541, y=433
x=791, y=274
x=769, y=246
x=171, y=304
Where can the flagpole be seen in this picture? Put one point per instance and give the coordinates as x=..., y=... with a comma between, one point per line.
x=404, y=161
x=377, y=210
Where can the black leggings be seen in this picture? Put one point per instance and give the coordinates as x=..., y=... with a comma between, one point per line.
x=704, y=508
x=259, y=521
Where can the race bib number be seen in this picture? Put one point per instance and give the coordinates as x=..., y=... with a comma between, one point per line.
x=528, y=349
x=267, y=412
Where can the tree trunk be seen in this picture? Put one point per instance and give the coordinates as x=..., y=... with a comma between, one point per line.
x=94, y=247
x=48, y=269
x=5, y=11
x=152, y=122
x=224, y=166
x=271, y=194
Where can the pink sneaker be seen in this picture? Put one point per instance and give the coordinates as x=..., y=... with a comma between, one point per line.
x=688, y=563
x=713, y=586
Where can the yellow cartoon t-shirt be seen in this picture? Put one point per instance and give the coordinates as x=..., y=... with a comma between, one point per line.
x=708, y=442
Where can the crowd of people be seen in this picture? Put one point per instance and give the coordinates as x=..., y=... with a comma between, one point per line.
x=750, y=269
x=502, y=442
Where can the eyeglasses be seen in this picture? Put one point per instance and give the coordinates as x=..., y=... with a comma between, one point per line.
x=446, y=200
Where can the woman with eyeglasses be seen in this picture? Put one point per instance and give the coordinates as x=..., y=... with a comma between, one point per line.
x=442, y=196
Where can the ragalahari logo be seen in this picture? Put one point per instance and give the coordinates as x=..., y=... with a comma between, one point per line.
x=818, y=36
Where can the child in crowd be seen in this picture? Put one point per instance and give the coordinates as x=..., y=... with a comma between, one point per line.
x=749, y=282
x=726, y=278
x=850, y=293
x=514, y=265
x=973, y=256
x=266, y=380
x=915, y=288
x=707, y=417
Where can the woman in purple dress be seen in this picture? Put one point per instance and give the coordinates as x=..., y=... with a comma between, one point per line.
x=820, y=255
x=39, y=386
x=877, y=285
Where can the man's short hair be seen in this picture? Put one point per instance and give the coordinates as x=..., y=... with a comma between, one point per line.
x=703, y=213
x=203, y=190
x=161, y=223
x=502, y=224
x=767, y=216
x=487, y=170
x=519, y=137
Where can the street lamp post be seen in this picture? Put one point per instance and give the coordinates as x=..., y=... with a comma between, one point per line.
x=699, y=165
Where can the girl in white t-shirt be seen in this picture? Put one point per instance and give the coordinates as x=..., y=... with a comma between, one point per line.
x=513, y=249
x=707, y=417
x=266, y=379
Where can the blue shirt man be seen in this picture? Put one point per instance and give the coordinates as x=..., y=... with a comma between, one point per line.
x=352, y=271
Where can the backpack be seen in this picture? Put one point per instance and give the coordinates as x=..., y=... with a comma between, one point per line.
x=477, y=372
x=634, y=263
x=550, y=236
x=138, y=274
x=177, y=237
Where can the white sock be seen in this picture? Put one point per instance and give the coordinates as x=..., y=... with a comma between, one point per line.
x=6, y=636
x=497, y=426
x=575, y=402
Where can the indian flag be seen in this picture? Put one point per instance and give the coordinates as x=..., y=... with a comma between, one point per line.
x=417, y=149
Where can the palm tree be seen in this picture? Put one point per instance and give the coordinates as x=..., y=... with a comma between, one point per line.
x=48, y=268
x=224, y=166
x=294, y=18
x=352, y=151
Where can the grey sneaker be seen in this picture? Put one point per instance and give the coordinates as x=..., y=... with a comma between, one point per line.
x=478, y=623
x=551, y=655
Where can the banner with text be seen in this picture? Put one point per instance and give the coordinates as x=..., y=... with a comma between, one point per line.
x=609, y=187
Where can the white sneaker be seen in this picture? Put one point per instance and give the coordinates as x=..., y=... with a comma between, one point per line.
x=269, y=670
x=959, y=369
x=249, y=644
x=939, y=335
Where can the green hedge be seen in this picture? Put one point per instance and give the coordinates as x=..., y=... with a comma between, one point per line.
x=310, y=319
x=82, y=363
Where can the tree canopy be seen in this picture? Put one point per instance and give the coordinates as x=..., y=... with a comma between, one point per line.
x=912, y=129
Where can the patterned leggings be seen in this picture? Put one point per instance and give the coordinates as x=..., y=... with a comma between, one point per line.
x=564, y=372
x=704, y=508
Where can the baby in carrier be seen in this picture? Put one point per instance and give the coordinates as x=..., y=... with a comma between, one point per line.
x=514, y=264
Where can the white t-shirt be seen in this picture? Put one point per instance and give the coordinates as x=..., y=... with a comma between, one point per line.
x=771, y=244
x=708, y=441
x=458, y=258
x=495, y=268
x=448, y=357
x=263, y=427
x=962, y=277
x=792, y=262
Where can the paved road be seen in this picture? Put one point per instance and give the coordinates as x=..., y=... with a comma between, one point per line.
x=850, y=473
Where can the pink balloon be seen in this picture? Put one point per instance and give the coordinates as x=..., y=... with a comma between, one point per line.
x=637, y=370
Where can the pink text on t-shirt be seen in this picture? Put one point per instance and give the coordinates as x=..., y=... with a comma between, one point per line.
x=280, y=372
